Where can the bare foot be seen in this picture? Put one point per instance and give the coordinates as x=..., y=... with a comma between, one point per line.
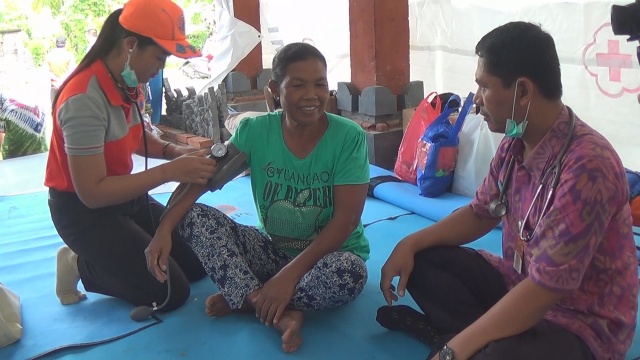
x=67, y=277
x=216, y=306
x=289, y=326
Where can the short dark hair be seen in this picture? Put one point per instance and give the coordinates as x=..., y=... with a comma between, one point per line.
x=110, y=36
x=292, y=53
x=522, y=49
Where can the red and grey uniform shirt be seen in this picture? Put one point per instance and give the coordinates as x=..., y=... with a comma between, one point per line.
x=91, y=117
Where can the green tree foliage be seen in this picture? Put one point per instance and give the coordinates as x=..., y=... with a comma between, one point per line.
x=38, y=51
x=73, y=17
x=11, y=16
x=202, y=23
x=54, y=5
x=76, y=22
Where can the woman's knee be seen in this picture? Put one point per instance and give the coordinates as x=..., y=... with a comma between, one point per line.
x=200, y=218
x=336, y=280
x=360, y=274
x=352, y=271
x=199, y=212
x=347, y=263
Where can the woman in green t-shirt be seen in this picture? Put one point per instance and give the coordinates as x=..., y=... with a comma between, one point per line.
x=309, y=178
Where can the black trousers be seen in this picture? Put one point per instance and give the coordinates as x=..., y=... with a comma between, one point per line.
x=110, y=244
x=454, y=286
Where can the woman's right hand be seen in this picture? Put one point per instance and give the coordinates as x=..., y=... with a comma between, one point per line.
x=194, y=168
x=157, y=254
x=400, y=263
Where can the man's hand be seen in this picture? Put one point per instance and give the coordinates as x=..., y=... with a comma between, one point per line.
x=399, y=263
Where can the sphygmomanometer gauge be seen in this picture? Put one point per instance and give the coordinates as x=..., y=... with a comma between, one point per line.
x=219, y=150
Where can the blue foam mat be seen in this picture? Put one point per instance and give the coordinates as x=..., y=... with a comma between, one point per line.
x=27, y=266
x=347, y=332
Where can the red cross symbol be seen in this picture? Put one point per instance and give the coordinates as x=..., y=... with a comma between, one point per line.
x=614, y=60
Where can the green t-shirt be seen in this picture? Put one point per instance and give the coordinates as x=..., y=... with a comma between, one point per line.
x=294, y=197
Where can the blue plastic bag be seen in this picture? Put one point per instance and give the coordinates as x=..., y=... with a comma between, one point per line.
x=634, y=183
x=438, y=150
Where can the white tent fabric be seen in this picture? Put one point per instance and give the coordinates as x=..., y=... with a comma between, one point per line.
x=234, y=40
x=600, y=72
x=323, y=23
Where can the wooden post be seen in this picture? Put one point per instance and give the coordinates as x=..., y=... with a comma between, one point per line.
x=249, y=12
x=379, y=43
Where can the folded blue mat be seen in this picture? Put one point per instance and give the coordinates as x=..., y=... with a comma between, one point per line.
x=406, y=196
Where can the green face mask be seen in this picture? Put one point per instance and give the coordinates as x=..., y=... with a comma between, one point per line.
x=128, y=75
x=513, y=129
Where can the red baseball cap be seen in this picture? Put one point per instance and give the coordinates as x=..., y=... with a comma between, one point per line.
x=160, y=20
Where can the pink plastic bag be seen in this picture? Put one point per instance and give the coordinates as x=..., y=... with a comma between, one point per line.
x=407, y=163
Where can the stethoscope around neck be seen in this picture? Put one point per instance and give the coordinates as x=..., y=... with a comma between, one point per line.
x=499, y=207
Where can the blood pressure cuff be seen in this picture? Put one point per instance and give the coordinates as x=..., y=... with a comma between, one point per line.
x=229, y=166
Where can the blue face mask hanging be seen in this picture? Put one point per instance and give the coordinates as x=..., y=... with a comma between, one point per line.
x=512, y=129
x=128, y=75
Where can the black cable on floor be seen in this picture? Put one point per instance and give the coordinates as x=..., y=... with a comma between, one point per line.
x=157, y=321
x=389, y=218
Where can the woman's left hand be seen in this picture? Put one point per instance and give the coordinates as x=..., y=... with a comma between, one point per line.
x=273, y=299
x=157, y=254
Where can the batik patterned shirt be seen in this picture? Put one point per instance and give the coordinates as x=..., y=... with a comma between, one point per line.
x=583, y=245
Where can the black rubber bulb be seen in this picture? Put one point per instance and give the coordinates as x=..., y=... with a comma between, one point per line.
x=141, y=313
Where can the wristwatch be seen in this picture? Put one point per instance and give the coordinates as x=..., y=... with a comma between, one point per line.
x=219, y=150
x=446, y=353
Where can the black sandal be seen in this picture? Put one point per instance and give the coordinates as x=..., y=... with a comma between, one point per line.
x=405, y=318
